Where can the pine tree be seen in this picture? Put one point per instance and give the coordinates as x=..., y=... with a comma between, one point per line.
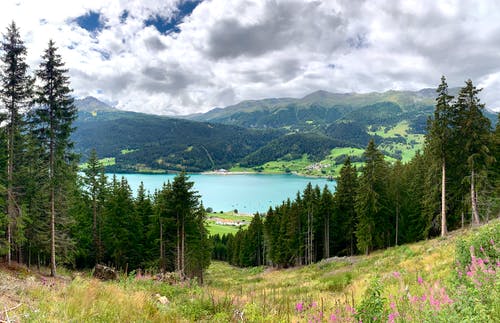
x=15, y=94
x=93, y=181
x=144, y=214
x=199, y=248
x=326, y=209
x=345, y=220
x=439, y=139
x=474, y=133
x=370, y=206
x=53, y=116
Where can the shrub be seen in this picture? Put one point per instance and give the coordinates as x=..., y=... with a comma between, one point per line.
x=372, y=305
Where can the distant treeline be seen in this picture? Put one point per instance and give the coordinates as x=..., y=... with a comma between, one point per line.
x=454, y=182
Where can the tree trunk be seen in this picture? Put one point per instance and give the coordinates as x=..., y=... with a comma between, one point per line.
x=327, y=236
x=162, y=251
x=52, y=233
x=443, y=200
x=94, y=228
x=52, y=201
x=258, y=249
x=9, y=242
x=473, y=196
x=178, y=260
x=397, y=222
x=183, y=248
x=10, y=194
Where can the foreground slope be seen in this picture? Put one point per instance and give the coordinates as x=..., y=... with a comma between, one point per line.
x=416, y=282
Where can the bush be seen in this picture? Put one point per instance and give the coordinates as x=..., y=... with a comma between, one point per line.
x=483, y=242
x=372, y=305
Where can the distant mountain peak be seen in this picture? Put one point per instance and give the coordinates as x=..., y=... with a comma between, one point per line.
x=92, y=105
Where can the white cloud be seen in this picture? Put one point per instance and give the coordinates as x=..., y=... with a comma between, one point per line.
x=229, y=51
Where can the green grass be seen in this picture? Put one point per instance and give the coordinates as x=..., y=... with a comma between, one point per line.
x=269, y=295
x=401, y=129
x=230, y=215
x=414, y=142
x=214, y=228
x=127, y=151
x=109, y=161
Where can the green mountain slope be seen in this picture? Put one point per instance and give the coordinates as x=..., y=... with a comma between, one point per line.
x=142, y=142
x=250, y=134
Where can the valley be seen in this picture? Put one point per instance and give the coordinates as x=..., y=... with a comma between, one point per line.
x=249, y=161
x=304, y=136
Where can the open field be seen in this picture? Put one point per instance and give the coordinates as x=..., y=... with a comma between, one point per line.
x=415, y=282
x=110, y=161
x=228, y=218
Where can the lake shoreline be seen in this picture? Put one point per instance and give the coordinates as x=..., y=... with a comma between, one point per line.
x=215, y=172
x=247, y=193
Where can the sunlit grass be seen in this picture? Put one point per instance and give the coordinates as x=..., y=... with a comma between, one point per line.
x=109, y=161
x=333, y=288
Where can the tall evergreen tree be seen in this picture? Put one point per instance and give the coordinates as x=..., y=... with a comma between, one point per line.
x=15, y=94
x=474, y=133
x=370, y=205
x=94, y=186
x=344, y=213
x=53, y=116
x=496, y=152
x=439, y=135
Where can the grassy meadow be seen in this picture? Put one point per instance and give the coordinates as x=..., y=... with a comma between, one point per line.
x=214, y=228
x=421, y=282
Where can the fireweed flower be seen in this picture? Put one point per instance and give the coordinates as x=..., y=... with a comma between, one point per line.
x=299, y=306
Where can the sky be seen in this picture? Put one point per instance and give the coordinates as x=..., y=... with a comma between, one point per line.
x=177, y=57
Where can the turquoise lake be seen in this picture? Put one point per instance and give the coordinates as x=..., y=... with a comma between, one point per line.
x=247, y=193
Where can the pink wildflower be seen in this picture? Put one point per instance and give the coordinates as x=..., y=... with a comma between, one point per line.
x=393, y=305
x=420, y=280
x=333, y=318
x=299, y=307
x=492, y=242
x=396, y=274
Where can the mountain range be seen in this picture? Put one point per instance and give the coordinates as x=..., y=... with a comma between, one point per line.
x=316, y=129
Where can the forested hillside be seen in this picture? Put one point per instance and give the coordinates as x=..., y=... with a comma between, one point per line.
x=253, y=133
x=142, y=142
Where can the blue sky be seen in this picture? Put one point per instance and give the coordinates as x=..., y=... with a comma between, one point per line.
x=185, y=56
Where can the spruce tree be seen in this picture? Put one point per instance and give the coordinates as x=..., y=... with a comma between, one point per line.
x=439, y=136
x=53, y=116
x=345, y=220
x=93, y=185
x=370, y=205
x=474, y=135
x=15, y=94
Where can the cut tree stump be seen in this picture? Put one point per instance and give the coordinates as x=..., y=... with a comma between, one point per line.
x=104, y=272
